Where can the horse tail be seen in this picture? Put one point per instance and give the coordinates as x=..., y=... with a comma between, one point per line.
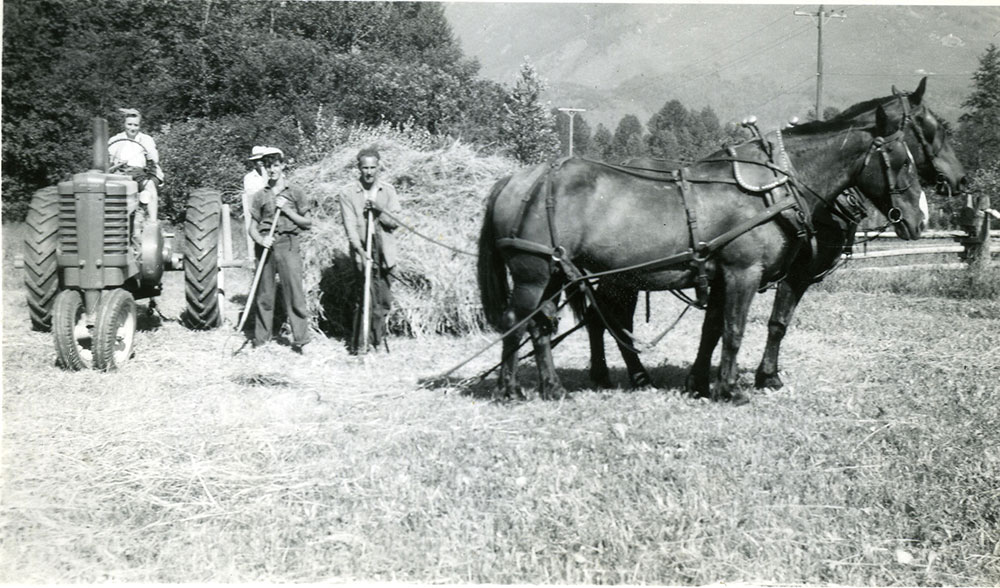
x=577, y=301
x=494, y=291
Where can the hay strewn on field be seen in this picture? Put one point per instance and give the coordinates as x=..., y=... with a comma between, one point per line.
x=443, y=193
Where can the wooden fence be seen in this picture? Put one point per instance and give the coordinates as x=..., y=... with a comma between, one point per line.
x=969, y=247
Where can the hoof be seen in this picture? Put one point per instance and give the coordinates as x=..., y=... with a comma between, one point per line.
x=739, y=398
x=640, y=380
x=601, y=380
x=763, y=380
x=698, y=388
x=556, y=393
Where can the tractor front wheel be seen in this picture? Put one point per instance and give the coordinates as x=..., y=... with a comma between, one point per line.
x=115, y=330
x=41, y=278
x=74, y=337
x=201, y=259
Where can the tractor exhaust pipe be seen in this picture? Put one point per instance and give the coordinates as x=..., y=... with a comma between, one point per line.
x=100, y=144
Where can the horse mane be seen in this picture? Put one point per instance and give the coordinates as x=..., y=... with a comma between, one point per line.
x=842, y=120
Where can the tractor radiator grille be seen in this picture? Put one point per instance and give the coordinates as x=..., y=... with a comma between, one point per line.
x=69, y=240
x=115, y=225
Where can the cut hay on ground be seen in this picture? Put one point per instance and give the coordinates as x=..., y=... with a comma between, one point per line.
x=443, y=194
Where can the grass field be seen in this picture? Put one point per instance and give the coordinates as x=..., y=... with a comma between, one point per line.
x=878, y=463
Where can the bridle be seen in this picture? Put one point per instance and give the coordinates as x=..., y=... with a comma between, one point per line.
x=880, y=145
x=926, y=147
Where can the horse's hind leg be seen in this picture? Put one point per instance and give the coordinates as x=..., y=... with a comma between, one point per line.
x=599, y=374
x=741, y=286
x=507, y=387
x=786, y=299
x=617, y=302
x=530, y=274
x=623, y=312
x=541, y=329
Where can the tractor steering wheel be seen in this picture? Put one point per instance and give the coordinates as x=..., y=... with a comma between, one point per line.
x=115, y=167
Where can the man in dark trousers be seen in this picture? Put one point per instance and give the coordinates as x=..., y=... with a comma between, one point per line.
x=284, y=256
x=370, y=193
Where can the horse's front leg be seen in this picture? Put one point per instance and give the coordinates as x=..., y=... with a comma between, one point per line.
x=541, y=330
x=741, y=286
x=786, y=300
x=699, y=380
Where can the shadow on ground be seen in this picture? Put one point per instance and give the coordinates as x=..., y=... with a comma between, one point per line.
x=573, y=380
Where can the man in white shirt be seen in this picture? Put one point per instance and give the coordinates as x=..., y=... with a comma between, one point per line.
x=134, y=153
x=254, y=181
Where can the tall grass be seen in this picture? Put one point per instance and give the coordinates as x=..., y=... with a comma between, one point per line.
x=961, y=284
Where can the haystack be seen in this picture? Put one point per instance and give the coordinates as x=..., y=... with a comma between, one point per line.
x=443, y=195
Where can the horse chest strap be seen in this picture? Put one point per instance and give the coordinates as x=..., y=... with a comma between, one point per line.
x=699, y=250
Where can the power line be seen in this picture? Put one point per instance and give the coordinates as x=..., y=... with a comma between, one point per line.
x=745, y=56
x=776, y=96
x=741, y=39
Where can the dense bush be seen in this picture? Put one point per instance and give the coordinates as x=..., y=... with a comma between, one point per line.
x=214, y=77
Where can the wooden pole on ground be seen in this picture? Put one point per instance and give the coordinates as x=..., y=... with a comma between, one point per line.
x=366, y=299
x=260, y=270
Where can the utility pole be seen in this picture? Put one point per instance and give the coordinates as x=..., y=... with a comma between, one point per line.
x=572, y=113
x=820, y=15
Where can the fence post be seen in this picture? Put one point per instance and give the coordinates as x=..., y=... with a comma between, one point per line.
x=976, y=223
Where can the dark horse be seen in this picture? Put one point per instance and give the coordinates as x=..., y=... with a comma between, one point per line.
x=732, y=221
x=835, y=226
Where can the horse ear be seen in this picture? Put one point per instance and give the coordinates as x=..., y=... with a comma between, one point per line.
x=881, y=122
x=918, y=95
x=895, y=92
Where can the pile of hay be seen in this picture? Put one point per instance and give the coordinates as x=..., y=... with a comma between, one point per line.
x=443, y=193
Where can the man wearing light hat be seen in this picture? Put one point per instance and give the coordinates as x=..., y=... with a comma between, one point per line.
x=134, y=153
x=254, y=181
x=279, y=233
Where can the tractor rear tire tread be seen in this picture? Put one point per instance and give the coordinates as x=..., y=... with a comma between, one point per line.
x=201, y=259
x=41, y=276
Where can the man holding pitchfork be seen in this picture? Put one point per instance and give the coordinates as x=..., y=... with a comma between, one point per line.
x=369, y=208
x=278, y=214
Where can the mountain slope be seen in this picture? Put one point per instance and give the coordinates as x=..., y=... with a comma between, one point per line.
x=617, y=59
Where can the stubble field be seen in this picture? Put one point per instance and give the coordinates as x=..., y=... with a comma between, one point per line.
x=878, y=463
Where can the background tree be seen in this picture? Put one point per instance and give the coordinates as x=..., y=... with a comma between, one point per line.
x=247, y=72
x=979, y=128
x=978, y=137
x=528, y=129
x=600, y=144
x=628, y=140
x=680, y=134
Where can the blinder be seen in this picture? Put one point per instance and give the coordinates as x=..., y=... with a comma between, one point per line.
x=880, y=145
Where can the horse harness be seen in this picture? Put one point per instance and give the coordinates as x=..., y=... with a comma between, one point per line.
x=783, y=201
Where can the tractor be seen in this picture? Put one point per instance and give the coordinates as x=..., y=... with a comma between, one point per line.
x=87, y=259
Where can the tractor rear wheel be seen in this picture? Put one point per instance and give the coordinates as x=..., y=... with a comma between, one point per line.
x=41, y=278
x=74, y=337
x=114, y=332
x=201, y=259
